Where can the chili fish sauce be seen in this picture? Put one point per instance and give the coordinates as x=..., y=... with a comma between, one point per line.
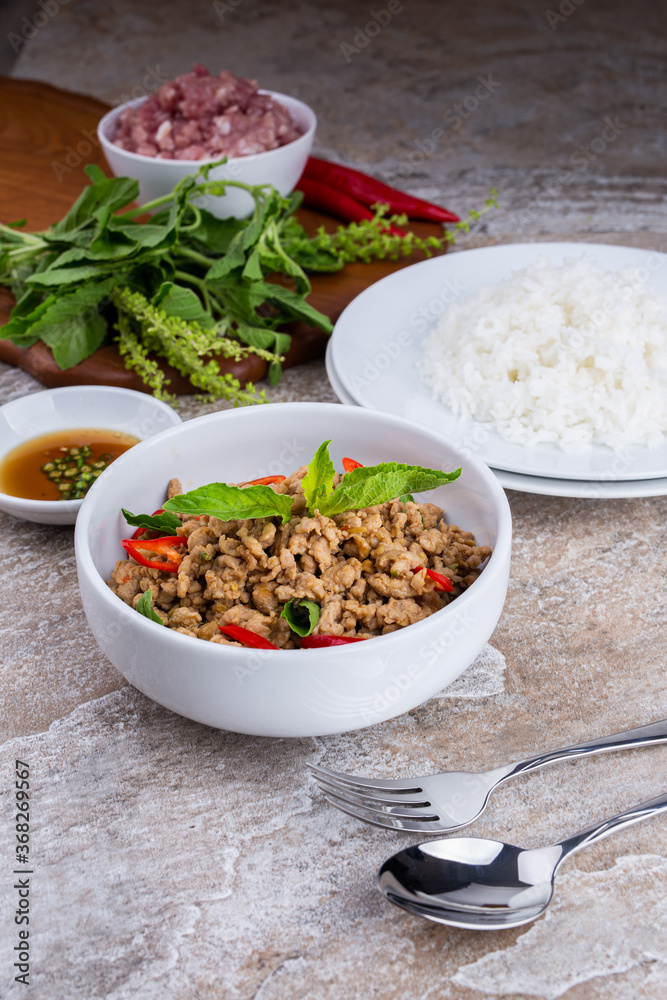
x=62, y=465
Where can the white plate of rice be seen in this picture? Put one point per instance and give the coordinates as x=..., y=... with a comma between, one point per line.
x=544, y=359
x=585, y=489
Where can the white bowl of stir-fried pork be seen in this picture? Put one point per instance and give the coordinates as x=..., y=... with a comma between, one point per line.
x=294, y=570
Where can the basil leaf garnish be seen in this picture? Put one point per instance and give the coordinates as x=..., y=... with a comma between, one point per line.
x=145, y=608
x=229, y=503
x=374, y=484
x=302, y=616
x=318, y=481
x=166, y=523
x=363, y=487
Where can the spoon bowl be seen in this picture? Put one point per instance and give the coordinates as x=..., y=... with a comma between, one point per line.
x=470, y=882
x=486, y=884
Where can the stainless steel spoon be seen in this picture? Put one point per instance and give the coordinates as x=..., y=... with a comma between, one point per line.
x=485, y=884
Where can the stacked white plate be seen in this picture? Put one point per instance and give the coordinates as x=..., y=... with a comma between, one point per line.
x=372, y=362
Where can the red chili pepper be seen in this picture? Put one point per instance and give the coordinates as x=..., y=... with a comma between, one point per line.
x=350, y=463
x=163, y=546
x=246, y=637
x=330, y=199
x=444, y=583
x=370, y=191
x=266, y=481
x=321, y=641
x=147, y=531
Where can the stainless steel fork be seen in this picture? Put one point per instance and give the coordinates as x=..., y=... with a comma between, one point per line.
x=437, y=803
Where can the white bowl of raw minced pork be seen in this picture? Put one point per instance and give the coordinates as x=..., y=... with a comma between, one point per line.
x=260, y=155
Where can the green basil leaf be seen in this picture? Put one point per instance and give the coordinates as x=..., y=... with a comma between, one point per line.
x=374, y=484
x=145, y=608
x=263, y=213
x=147, y=235
x=112, y=243
x=175, y=300
x=95, y=173
x=73, y=255
x=215, y=234
x=294, y=306
x=235, y=257
x=148, y=275
x=246, y=238
x=112, y=192
x=256, y=336
x=166, y=523
x=65, y=275
x=253, y=267
x=72, y=326
x=230, y=503
x=72, y=337
x=241, y=300
x=29, y=308
x=318, y=481
x=302, y=616
x=276, y=261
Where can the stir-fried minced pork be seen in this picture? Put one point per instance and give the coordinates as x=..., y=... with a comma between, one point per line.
x=358, y=567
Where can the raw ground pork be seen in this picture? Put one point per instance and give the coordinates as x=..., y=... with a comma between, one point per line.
x=200, y=117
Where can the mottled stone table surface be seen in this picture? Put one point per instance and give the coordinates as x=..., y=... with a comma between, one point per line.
x=176, y=861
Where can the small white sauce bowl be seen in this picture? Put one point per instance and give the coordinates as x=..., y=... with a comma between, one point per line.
x=281, y=167
x=102, y=406
x=289, y=692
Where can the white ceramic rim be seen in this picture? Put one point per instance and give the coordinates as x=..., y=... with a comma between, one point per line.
x=647, y=463
x=291, y=103
x=582, y=489
x=494, y=568
x=578, y=489
x=24, y=504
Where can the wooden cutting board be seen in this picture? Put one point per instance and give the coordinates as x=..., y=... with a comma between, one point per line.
x=47, y=136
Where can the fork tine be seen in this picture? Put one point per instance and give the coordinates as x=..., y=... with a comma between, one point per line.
x=387, y=809
x=352, y=781
x=363, y=796
x=384, y=820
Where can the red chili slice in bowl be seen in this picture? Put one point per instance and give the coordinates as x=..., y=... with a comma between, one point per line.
x=322, y=641
x=443, y=582
x=266, y=481
x=162, y=546
x=246, y=637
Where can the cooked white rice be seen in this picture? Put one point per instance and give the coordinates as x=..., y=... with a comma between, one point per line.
x=575, y=355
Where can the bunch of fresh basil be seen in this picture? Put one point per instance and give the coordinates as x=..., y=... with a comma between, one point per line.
x=185, y=263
